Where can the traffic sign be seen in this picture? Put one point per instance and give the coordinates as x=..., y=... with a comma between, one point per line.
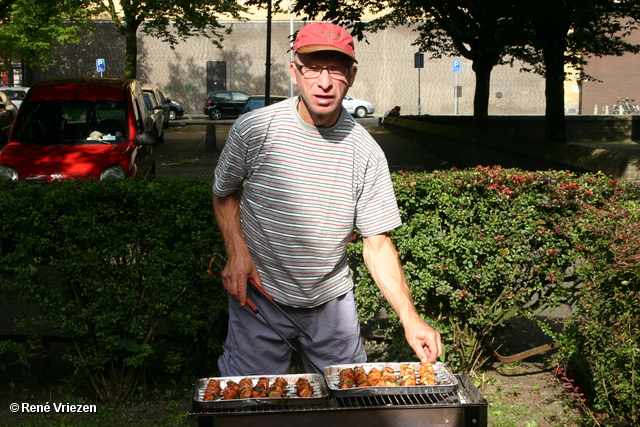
x=455, y=66
x=101, y=65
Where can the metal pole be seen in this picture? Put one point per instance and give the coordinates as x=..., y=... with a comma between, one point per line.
x=419, y=105
x=267, y=77
x=291, y=44
x=455, y=93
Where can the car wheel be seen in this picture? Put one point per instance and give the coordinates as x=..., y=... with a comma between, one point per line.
x=215, y=114
x=360, y=112
x=172, y=114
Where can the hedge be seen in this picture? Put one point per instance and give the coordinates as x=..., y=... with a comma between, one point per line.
x=116, y=267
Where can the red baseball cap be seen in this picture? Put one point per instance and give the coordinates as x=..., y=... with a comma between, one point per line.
x=318, y=36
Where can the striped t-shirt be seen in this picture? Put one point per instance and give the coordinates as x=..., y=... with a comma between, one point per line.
x=303, y=191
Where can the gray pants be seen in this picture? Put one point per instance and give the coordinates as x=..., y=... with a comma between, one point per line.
x=253, y=348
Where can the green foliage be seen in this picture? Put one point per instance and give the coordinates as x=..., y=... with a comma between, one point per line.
x=482, y=246
x=114, y=267
x=31, y=29
x=602, y=336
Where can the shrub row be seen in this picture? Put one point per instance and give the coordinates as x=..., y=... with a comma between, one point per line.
x=116, y=267
x=483, y=245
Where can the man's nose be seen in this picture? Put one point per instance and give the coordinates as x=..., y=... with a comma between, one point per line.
x=325, y=79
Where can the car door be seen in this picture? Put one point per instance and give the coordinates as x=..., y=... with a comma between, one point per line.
x=142, y=159
x=155, y=113
x=238, y=101
x=224, y=102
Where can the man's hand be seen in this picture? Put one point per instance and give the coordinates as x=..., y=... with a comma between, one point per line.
x=424, y=340
x=236, y=274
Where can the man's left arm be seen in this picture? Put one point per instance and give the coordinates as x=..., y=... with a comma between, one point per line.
x=383, y=262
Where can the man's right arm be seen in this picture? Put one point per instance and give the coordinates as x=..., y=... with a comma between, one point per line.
x=240, y=266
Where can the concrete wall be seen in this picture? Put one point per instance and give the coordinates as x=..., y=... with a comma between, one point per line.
x=578, y=128
x=508, y=147
x=386, y=73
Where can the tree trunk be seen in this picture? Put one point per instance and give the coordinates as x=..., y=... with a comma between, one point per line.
x=131, y=53
x=482, y=66
x=554, y=127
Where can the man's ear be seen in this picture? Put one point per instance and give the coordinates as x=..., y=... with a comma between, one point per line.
x=352, y=75
x=292, y=71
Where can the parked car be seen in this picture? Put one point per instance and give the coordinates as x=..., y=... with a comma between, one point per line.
x=357, y=107
x=16, y=94
x=81, y=129
x=175, y=110
x=257, y=101
x=7, y=116
x=224, y=104
x=155, y=112
x=161, y=100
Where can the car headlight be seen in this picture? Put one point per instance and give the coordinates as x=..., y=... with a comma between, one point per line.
x=113, y=172
x=8, y=172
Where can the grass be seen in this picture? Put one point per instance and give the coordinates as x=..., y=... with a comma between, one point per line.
x=520, y=397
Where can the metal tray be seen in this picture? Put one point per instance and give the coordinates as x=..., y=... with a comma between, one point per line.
x=320, y=393
x=446, y=381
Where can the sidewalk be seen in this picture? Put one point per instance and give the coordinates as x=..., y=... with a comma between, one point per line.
x=184, y=153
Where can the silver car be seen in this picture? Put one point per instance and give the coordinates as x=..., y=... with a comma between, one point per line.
x=15, y=93
x=357, y=107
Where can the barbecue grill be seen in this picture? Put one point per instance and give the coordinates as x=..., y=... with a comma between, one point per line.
x=462, y=406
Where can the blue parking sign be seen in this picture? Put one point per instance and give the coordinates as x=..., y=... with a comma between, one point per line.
x=455, y=66
x=101, y=65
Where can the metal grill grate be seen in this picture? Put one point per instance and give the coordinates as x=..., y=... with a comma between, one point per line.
x=463, y=407
x=398, y=400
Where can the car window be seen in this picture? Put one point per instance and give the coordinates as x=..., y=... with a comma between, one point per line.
x=239, y=96
x=147, y=101
x=138, y=112
x=68, y=122
x=223, y=96
x=15, y=94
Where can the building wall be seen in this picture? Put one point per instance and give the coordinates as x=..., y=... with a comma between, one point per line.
x=386, y=73
x=617, y=75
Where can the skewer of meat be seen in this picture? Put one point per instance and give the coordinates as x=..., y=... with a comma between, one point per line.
x=278, y=388
x=304, y=388
x=213, y=390
x=231, y=390
x=246, y=388
x=407, y=375
x=389, y=377
x=374, y=376
x=360, y=376
x=261, y=387
x=346, y=379
x=427, y=374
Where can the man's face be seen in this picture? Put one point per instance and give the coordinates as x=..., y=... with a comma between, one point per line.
x=321, y=96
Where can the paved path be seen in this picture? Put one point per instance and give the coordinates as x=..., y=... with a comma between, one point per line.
x=184, y=152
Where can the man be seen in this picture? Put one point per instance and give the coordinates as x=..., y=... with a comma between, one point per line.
x=309, y=173
x=394, y=112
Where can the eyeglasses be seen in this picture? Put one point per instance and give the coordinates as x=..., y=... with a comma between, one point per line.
x=314, y=71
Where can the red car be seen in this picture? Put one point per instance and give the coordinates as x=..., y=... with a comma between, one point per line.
x=81, y=129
